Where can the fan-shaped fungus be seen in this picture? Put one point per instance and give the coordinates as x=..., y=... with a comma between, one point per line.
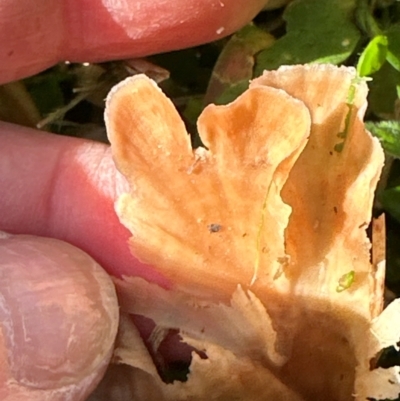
x=262, y=234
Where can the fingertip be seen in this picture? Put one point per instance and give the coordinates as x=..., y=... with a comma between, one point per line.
x=64, y=187
x=127, y=28
x=59, y=319
x=39, y=34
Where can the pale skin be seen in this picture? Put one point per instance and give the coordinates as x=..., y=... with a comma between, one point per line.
x=65, y=188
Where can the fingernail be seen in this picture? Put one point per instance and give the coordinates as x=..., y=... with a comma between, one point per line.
x=58, y=312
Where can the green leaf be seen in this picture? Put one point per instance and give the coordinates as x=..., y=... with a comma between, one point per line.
x=383, y=91
x=385, y=86
x=388, y=133
x=373, y=56
x=49, y=83
x=393, y=55
x=232, y=92
x=390, y=200
x=193, y=109
x=365, y=19
x=234, y=67
x=346, y=281
x=317, y=32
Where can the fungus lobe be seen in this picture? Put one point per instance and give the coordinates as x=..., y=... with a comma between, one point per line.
x=264, y=307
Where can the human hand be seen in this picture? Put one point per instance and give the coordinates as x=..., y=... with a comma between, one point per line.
x=65, y=188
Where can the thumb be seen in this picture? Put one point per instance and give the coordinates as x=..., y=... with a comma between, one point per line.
x=58, y=320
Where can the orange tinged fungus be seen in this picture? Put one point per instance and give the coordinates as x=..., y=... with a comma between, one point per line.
x=262, y=235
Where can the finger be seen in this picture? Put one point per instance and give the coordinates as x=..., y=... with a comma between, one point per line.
x=58, y=320
x=37, y=34
x=65, y=188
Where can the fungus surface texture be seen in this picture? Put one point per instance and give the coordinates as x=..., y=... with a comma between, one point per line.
x=261, y=234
